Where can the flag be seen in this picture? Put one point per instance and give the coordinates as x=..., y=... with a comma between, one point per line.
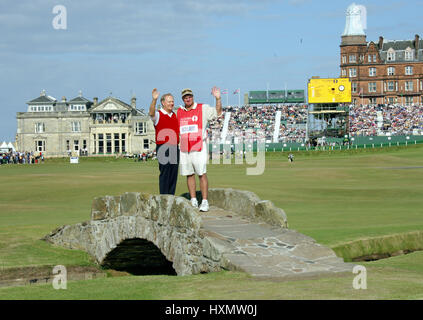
x=236, y=91
x=224, y=91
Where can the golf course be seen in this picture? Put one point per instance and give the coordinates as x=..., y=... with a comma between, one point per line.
x=361, y=203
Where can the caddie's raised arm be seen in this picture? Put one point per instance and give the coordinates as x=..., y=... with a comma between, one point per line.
x=155, y=95
x=216, y=94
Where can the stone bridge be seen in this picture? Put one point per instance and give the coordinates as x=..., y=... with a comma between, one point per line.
x=152, y=234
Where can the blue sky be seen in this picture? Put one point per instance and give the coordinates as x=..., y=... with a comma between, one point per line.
x=129, y=47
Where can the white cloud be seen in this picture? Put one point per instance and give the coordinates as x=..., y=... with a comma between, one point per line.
x=113, y=27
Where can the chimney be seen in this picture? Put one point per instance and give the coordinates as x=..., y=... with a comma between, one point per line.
x=134, y=102
x=95, y=101
x=380, y=44
x=416, y=45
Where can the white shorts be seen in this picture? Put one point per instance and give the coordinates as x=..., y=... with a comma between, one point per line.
x=193, y=162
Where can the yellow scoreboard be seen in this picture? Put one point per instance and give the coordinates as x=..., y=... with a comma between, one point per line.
x=332, y=90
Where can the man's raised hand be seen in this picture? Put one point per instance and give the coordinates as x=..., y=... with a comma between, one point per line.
x=152, y=111
x=155, y=94
x=216, y=92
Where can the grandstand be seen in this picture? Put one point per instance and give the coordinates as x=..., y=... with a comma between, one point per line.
x=289, y=123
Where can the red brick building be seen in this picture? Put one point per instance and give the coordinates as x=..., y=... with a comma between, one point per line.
x=386, y=72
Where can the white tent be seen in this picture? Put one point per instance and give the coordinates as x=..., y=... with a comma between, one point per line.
x=11, y=146
x=3, y=147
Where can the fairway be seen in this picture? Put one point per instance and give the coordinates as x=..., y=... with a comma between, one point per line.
x=334, y=197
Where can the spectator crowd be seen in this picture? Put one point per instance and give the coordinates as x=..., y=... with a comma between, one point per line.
x=371, y=120
x=258, y=122
x=21, y=157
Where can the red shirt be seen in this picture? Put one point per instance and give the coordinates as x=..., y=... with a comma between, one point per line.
x=191, y=128
x=167, y=130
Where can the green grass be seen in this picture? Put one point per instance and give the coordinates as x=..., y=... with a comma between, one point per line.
x=393, y=278
x=336, y=197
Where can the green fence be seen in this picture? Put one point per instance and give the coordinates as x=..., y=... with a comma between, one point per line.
x=355, y=143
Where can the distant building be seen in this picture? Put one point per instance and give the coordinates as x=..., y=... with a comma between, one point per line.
x=79, y=126
x=386, y=72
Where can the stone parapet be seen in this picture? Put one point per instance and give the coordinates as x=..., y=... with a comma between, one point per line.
x=248, y=204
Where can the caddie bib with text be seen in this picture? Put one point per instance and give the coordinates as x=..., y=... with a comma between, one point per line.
x=191, y=128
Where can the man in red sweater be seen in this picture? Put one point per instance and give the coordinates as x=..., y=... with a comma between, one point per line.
x=167, y=140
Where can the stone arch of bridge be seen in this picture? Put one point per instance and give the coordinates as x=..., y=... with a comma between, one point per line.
x=138, y=256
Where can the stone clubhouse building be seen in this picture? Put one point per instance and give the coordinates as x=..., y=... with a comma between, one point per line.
x=83, y=127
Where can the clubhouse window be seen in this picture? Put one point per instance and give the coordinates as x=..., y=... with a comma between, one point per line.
x=123, y=136
x=140, y=128
x=76, y=126
x=40, y=145
x=117, y=141
x=40, y=127
x=108, y=142
x=76, y=145
x=77, y=107
x=100, y=143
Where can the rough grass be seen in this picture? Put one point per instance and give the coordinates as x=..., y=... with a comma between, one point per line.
x=381, y=246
